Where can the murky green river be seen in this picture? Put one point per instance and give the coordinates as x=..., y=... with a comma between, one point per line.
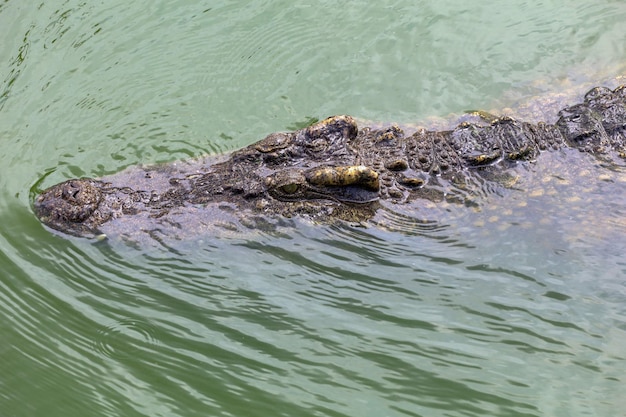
x=479, y=317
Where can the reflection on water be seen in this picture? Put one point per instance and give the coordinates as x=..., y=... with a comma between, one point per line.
x=510, y=306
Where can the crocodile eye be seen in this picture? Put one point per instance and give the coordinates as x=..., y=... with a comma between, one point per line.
x=318, y=145
x=289, y=188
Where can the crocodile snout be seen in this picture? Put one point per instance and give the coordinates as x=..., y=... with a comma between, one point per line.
x=68, y=206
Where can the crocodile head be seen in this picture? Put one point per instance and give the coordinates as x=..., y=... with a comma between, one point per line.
x=312, y=171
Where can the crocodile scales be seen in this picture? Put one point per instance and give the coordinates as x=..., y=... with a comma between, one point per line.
x=334, y=170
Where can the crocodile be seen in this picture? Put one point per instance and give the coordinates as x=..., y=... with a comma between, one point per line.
x=336, y=170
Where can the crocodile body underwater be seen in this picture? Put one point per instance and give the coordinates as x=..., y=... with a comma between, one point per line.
x=335, y=170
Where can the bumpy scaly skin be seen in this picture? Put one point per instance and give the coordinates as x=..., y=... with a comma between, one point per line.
x=334, y=170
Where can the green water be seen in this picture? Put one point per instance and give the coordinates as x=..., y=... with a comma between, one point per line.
x=321, y=320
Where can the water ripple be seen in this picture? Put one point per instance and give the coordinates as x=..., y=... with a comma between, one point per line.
x=124, y=338
x=475, y=309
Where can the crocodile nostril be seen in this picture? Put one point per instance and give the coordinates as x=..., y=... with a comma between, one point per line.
x=71, y=192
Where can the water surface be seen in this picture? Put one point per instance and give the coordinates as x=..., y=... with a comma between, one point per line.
x=503, y=313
